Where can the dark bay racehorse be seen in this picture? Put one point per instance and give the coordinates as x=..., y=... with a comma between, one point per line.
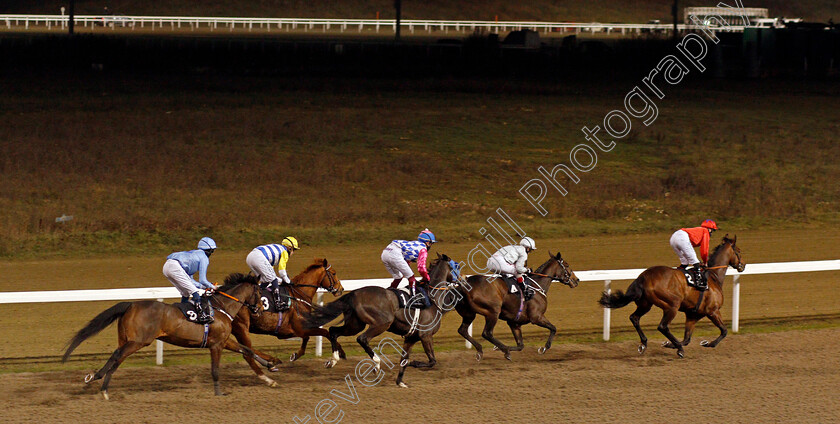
x=304, y=286
x=666, y=288
x=489, y=296
x=378, y=309
x=141, y=322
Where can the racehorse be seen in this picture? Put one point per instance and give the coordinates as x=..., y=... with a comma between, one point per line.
x=141, y=322
x=288, y=324
x=378, y=308
x=488, y=296
x=667, y=288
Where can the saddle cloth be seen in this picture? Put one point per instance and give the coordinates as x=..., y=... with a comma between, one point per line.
x=403, y=295
x=268, y=300
x=513, y=288
x=188, y=309
x=690, y=278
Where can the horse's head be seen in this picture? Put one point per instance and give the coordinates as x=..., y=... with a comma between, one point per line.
x=734, y=258
x=245, y=289
x=329, y=281
x=444, y=269
x=559, y=270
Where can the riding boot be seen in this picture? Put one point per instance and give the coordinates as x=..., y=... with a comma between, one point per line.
x=203, y=310
x=425, y=294
x=699, y=270
x=279, y=301
x=395, y=283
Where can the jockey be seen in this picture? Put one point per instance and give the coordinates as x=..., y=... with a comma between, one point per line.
x=181, y=266
x=399, y=253
x=262, y=261
x=683, y=242
x=511, y=260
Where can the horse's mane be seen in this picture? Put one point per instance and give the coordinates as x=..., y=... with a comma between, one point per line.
x=717, y=250
x=541, y=269
x=316, y=263
x=237, y=278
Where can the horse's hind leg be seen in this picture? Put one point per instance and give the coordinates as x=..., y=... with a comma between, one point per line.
x=372, y=331
x=667, y=317
x=690, y=321
x=352, y=325
x=215, y=358
x=635, y=318
x=121, y=353
x=467, y=320
x=718, y=321
x=251, y=358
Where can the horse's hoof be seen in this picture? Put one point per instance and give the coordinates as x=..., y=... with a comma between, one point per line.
x=705, y=343
x=89, y=378
x=403, y=385
x=105, y=395
x=542, y=350
x=293, y=358
x=329, y=364
x=478, y=356
x=680, y=354
x=274, y=369
x=507, y=356
x=404, y=363
x=642, y=348
x=495, y=347
x=667, y=345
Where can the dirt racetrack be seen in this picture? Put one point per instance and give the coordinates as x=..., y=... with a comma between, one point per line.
x=758, y=378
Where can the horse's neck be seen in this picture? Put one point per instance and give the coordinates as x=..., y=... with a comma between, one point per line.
x=306, y=292
x=544, y=282
x=721, y=260
x=230, y=306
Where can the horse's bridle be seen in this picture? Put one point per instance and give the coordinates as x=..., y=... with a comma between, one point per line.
x=333, y=281
x=255, y=308
x=565, y=278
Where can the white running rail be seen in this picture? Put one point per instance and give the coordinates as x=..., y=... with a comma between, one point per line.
x=607, y=276
x=342, y=25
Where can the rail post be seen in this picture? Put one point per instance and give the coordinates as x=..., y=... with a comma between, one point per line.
x=736, y=300
x=159, y=347
x=607, y=313
x=319, y=341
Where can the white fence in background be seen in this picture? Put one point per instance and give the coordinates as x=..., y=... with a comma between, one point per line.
x=343, y=25
x=607, y=276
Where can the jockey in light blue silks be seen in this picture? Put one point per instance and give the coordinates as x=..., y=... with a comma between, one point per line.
x=181, y=266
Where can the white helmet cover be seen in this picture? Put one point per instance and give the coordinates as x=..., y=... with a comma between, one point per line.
x=528, y=243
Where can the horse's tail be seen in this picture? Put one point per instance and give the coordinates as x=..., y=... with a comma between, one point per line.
x=321, y=315
x=620, y=299
x=97, y=324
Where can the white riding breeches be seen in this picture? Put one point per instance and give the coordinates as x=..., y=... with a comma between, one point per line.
x=394, y=262
x=261, y=266
x=500, y=266
x=174, y=272
x=682, y=246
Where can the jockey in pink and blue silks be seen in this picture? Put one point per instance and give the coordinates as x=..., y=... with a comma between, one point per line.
x=397, y=256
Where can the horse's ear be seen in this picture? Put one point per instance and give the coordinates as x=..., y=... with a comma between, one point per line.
x=734, y=238
x=444, y=257
x=326, y=264
x=438, y=253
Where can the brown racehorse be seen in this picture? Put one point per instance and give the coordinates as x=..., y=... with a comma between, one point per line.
x=488, y=296
x=318, y=275
x=378, y=309
x=141, y=322
x=666, y=288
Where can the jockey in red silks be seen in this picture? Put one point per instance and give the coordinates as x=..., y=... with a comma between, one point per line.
x=684, y=240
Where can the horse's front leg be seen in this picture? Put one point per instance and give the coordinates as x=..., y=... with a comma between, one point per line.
x=516, y=330
x=302, y=351
x=718, y=321
x=409, y=342
x=250, y=358
x=543, y=322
